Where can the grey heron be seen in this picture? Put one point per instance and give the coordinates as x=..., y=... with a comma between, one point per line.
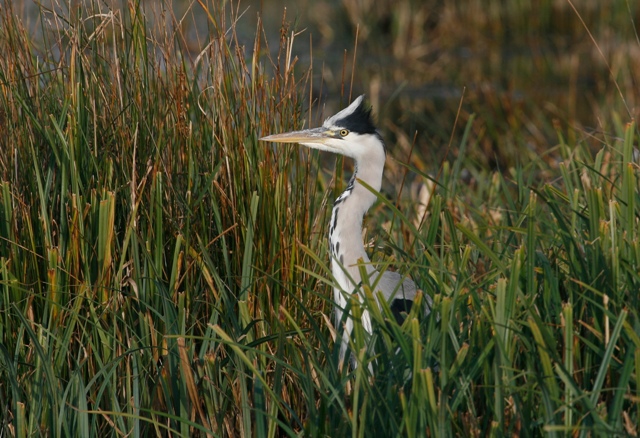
x=351, y=133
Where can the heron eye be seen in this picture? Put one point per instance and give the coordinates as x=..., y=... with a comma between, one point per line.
x=344, y=132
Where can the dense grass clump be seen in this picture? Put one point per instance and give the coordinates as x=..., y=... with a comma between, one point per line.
x=164, y=273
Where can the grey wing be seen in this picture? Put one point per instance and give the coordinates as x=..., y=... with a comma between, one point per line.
x=400, y=292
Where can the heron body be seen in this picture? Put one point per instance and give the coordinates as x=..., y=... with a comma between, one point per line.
x=351, y=133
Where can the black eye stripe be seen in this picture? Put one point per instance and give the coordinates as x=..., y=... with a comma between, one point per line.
x=358, y=121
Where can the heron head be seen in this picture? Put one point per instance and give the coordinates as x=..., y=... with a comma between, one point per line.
x=350, y=132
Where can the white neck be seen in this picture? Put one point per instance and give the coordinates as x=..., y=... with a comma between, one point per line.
x=345, y=229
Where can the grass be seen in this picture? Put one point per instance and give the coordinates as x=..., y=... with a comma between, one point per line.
x=164, y=273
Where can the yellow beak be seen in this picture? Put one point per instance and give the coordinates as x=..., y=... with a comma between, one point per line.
x=315, y=135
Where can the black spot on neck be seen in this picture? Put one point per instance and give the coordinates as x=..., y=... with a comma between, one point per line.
x=359, y=121
x=352, y=181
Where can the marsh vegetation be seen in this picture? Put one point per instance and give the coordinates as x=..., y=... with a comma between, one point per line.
x=164, y=273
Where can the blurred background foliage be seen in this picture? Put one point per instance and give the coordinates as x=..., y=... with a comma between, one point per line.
x=525, y=68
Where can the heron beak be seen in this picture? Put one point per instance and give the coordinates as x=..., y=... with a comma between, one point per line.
x=315, y=135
